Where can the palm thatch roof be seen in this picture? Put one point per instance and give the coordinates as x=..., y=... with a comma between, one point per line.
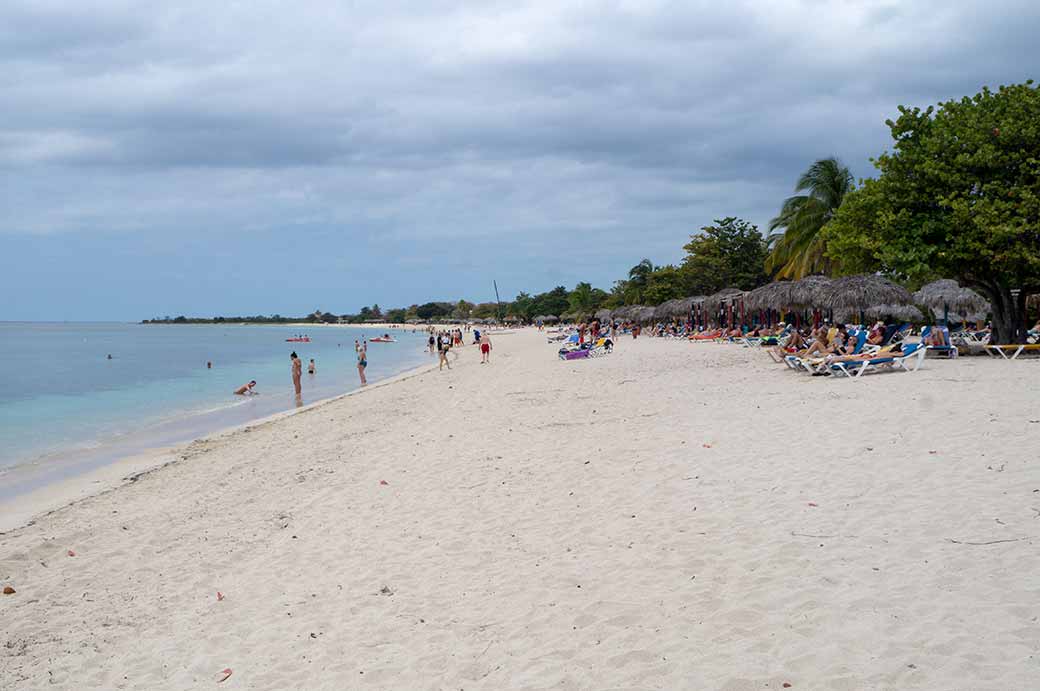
x=627, y=312
x=712, y=303
x=773, y=295
x=861, y=292
x=645, y=314
x=907, y=313
x=805, y=293
x=603, y=315
x=947, y=294
x=667, y=309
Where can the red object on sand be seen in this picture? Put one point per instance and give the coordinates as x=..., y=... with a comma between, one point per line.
x=71, y=553
x=383, y=482
x=812, y=504
x=220, y=596
x=707, y=446
x=224, y=674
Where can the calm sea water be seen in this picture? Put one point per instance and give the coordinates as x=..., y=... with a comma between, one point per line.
x=65, y=407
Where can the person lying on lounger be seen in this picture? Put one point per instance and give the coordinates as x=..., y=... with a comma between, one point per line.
x=877, y=334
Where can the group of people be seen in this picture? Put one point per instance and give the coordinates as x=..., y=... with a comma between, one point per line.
x=441, y=342
x=296, y=371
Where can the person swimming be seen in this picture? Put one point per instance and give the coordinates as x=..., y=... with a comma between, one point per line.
x=246, y=389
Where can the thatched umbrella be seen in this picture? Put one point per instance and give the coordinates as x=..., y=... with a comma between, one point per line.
x=666, y=310
x=770, y=296
x=861, y=292
x=550, y=318
x=628, y=312
x=645, y=314
x=603, y=315
x=945, y=295
x=713, y=303
x=805, y=293
x=907, y=313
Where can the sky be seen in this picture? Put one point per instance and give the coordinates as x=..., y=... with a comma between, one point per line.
x=207, y=158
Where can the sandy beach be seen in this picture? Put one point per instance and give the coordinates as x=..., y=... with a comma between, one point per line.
x=671, y=516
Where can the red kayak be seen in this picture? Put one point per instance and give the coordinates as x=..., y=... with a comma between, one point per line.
x=297, y=340
x=381, y=340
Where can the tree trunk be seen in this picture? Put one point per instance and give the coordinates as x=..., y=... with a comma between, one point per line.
x=1009, y=312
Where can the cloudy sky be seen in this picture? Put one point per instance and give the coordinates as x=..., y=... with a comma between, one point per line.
x=243, y=157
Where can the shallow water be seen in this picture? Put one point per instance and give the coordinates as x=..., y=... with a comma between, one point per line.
x=65, y=407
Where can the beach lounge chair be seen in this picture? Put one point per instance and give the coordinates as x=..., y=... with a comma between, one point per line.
x=601, y=347
x=1015, y=349
x=945, y=349
x=909, y=360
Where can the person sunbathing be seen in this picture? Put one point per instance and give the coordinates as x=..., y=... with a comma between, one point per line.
x=877, y=334
x=794, y=343
x=819, y=347
x=935, y=337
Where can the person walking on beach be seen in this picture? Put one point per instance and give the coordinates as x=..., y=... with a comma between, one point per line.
x=297, y=372
x=431, y=342
x=485, y=349
x=443, y=346
x=311, y=369
x=362, y=363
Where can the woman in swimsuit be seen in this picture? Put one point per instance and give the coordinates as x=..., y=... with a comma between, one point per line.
x=362, y=363
x=310, y=368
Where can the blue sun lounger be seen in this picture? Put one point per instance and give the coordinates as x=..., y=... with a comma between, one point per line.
x=947, y=350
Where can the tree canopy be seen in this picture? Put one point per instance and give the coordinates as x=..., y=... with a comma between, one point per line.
x=796, y=246
x=957, y=197
x=730, y=253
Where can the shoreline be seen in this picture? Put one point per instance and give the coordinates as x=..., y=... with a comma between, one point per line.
x=26, y=508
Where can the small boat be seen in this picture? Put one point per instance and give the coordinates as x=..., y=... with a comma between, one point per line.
x=381, y=339
x=297, y=340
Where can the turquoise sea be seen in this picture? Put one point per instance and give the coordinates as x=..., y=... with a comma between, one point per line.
x=65, y=408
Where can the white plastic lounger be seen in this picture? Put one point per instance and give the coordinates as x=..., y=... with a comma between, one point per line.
x=1019, y=348
x=909, y=360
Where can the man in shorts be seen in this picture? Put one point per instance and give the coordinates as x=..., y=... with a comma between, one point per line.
x=485, y=348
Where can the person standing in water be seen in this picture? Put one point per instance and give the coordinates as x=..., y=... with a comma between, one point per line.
x=362, y=363
x=297, y=372
x=485, y=348
x=311, y=369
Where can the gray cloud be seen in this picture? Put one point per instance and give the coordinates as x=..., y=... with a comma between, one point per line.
x=604, y=132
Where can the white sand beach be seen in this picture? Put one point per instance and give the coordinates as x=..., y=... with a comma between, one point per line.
x=671, y=516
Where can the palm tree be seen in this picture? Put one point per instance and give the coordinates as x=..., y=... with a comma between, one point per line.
x=638, y=277
x=796, y=247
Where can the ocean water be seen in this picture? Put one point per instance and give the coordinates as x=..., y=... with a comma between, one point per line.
x=66, y=408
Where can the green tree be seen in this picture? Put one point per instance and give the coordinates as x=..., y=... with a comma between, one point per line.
x=638, y=277
x=462, y=310
x=396, y=316
x=796, y=247
x=485, y=310
x=730, y=253
x=522, y=307
x=585, y=299
x=552, y=302
x=665, y=283
x=957, y=197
